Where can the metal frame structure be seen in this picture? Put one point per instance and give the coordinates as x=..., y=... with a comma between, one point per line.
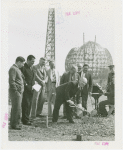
x=50, y=36
x=94, y=55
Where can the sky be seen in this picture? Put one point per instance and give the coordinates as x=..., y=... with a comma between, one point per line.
x=27, y=27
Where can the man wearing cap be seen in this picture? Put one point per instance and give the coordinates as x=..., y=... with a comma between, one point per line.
x=52, y=83
x=38, y=96
x=72, y=75
x=109, y=93
x=86, y=89
x=65, y=92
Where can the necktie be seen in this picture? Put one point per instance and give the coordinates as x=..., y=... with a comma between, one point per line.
x=53, y=77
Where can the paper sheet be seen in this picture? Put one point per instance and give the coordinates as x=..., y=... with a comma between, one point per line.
x=37, y=87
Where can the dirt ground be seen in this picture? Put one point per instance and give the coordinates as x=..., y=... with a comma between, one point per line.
x=96, y=129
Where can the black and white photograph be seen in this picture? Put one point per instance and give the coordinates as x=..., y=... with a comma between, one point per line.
x=61, y=72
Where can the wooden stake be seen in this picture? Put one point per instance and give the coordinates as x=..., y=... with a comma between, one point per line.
x=47, y=121
x=79, y=137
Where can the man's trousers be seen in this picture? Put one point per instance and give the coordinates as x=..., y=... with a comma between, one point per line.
x=69, y=110
x=64, y=110
x=51, y=95
x=102, y=109
x=84, y=100
x=37, y=102
x=26, y=105
x=16, y=99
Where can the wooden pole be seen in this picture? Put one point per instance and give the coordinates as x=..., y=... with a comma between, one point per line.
x=47, y=121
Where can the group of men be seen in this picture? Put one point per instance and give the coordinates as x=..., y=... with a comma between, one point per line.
x=73, y=84
x=22, y=78
x=24, y=75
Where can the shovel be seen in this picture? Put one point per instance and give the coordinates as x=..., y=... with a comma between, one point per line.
x=73, y=105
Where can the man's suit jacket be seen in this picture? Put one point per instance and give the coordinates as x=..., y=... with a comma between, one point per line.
x=39, y=76
x=16, y=82
x=88, y=87
x=29, y=75
x=49, y=83
x=67, y=90
x=66, y=77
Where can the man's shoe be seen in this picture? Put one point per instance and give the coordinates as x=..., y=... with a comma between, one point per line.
x=40, y=116
x=50, y=116
x=27, y=123
x=20, y=125
x=16, y=128
x=31, y=120
x=103, y=115
x=64, y=117
x=84, y=113
x=77, y=117
x=54, y=122
x=71, y=121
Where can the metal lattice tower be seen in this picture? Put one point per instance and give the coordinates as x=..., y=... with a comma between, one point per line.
x=50, y=36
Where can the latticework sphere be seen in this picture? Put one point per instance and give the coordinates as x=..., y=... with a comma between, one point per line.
x=94, y=55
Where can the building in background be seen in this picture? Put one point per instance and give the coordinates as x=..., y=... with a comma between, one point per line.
x=97, y=57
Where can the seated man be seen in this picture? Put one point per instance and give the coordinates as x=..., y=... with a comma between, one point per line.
x=63, y=93
x=110, y=95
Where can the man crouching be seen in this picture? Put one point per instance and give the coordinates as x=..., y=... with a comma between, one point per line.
x=63, y=93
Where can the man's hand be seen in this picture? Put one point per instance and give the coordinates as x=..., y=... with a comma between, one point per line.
x=90, y=94
x=104, y=92
x=70, y=102
x=72, y=99
x=17, y=93
x=43, y=83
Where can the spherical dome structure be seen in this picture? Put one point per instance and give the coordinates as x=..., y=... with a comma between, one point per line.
x=94, y=55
